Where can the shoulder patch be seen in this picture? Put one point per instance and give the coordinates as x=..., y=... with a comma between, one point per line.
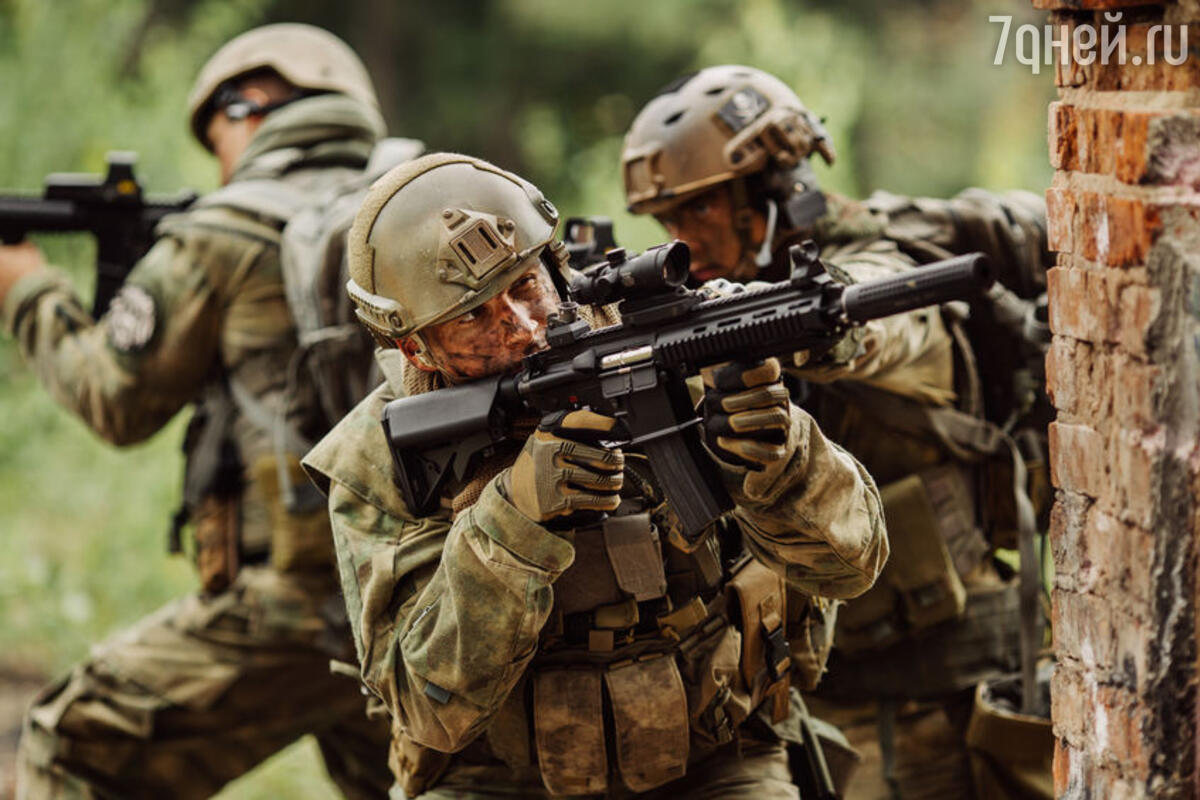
x=132, y=319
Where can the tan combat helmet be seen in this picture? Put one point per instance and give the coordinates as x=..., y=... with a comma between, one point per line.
x=440, y=235
x=713, y=126
x=305, y=56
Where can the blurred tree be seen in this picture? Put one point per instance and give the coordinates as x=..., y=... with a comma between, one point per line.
x=539, y=86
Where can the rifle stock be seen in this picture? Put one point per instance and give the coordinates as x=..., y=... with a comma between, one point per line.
x=636, y=370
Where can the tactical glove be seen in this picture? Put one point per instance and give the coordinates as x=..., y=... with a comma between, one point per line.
x=747, y=414
x=562, y=469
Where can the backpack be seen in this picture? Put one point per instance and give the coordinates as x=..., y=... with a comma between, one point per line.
x=1010, y=324
x=334, y=354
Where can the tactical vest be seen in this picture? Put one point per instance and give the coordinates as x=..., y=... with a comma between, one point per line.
x=939, y=613
x=954, y=487
x=652, y=658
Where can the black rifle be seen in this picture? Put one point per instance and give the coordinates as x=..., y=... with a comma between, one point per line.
x=111, y=208
x=636, y=370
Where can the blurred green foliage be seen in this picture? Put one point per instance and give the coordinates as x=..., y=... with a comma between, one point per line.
x=543, y=87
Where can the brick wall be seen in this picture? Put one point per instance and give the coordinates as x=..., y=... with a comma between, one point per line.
x=1124, y=215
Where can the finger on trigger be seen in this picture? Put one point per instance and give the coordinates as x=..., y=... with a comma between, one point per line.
x=584, y=419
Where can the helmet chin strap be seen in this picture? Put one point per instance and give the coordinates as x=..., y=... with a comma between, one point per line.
x=766, y=252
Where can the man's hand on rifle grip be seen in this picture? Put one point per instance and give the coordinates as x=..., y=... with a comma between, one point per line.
x=563, y=469
x=747, y=415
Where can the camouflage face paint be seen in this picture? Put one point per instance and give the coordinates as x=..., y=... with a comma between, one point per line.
x=494, y=337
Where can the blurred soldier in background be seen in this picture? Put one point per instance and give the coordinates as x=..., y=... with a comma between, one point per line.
x=206, y=688
x=722, y=159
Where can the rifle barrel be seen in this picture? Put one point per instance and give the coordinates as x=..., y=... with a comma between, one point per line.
x=952, y=279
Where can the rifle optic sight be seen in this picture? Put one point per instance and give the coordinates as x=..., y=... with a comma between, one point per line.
x=659, y=269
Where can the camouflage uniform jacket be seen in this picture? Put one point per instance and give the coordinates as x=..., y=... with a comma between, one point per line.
x=911, y=354
x=447, y=612
x=877, y=403
x=205, y=306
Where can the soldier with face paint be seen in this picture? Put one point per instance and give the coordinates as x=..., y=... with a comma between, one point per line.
x=524, y=644
x=723, y=159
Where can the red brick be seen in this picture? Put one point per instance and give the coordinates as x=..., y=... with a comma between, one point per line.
x=1068, y=703
x=1060, y=219
x=1144, y=76
x=1137, y=582
x=1089, y=227
x=1130, y=147
x=1120, y=724
x=1062, y=360
x=1083, y=629
x=1062, y=766
x=1065, y=290
x=1095, y=552
x=1072, y=563
x=1104, y=544
x=1139, y=308
x=1087, y=143
x=1060, y=374
x=1083, y=303
x=1077, y=458
x=1117, y=231
x=1109, y=380
x=1129, y=229
x=1107, y=127
x=1134, y=457
x=1063, y=135
x=1068, y=72
x=1135, y=389
x=1079, y=378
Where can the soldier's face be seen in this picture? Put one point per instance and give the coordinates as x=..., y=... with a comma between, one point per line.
x=705, y=223
x=229, y=139
x=493, y=338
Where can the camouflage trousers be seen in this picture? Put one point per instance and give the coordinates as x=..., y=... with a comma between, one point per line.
x=759, y=771
x=928, y=757
x=200, y=692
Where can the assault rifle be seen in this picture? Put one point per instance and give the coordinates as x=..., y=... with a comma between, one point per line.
x=636, y=370
x=112, y=208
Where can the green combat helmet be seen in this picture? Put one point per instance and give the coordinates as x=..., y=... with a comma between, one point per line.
x=307, y=57
x=713, y=126
x=441, y=235
x=728, y=124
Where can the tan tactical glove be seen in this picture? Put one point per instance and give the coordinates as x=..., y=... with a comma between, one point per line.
x=747, y=414
x=562, y=469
